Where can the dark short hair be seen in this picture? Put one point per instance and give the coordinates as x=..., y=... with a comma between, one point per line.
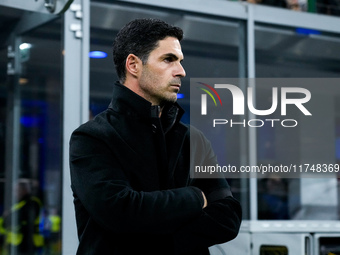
x=140, y=37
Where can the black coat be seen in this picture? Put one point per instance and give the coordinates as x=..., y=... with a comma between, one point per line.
x=131, y=184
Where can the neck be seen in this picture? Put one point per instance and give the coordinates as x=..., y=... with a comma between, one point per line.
x=133, y=85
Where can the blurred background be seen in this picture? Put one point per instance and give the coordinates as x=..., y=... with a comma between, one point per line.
x=56, y=72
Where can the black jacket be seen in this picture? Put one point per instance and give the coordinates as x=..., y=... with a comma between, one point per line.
x=131, y=184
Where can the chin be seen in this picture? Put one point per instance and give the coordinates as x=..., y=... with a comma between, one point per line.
x=168, y=100
x=173, y=100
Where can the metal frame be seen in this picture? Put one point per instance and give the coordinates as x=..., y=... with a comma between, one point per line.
x=252, y=158
x=34, y=6
x=243, y=71
x=295, y=226
x=76, y=105
x=13, y=125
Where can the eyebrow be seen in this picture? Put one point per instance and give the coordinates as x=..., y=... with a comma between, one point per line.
x=167, y=55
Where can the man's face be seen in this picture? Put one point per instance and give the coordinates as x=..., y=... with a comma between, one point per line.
x=160, y=79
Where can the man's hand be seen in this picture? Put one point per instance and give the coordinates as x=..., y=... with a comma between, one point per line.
x=205, y=201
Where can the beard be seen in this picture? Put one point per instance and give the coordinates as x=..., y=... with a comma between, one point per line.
x=156, y=91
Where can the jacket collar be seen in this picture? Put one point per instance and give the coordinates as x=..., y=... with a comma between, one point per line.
x=129, y=103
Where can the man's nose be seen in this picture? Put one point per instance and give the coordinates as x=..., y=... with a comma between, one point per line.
x=180, y=72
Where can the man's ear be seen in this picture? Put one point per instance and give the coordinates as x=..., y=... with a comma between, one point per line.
x=133, y=64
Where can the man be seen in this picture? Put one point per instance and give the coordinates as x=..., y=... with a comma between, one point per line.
x=130, y=165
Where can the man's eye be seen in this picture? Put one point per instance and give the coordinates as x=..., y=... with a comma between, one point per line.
x=168, y=59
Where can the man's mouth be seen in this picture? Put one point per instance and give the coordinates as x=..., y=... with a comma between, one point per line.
x=176, y=85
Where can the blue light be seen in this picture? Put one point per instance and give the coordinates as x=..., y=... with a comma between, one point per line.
x=97, y=54
x=306, y=31
x=29, y=121
x=179, y=96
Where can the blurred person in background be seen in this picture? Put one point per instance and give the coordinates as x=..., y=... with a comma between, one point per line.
x=21, y=223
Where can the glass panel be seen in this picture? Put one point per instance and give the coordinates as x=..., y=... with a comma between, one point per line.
x=288, y=53
x=31, y=224
x=295, y=52
x=3, y=102
x=329, y=245
x=273, y=250
x=210, y=47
